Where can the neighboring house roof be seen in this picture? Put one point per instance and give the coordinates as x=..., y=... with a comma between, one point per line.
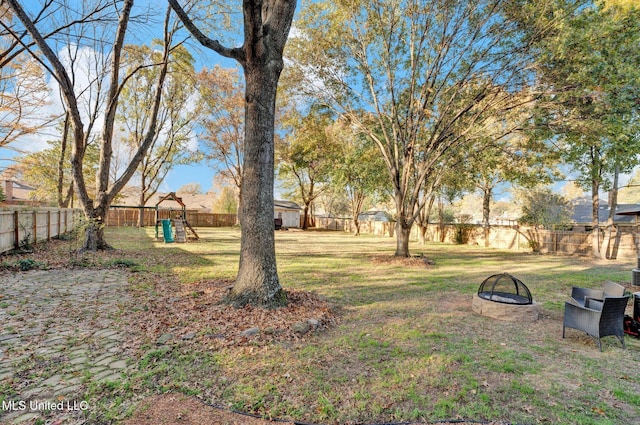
x=582, y=213
x=625, y=213
x=18, y=185
x=374, y=216
x=201, y=202
x=17, y=191
x=287, y=205
x=198, y=201
x=628, y=210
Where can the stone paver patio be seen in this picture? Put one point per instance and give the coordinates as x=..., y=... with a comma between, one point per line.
x=57, y=336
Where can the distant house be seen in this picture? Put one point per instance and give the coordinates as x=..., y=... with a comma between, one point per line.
x=629, y=213
x=625, y=214
x=288, y=211
x=17, y=193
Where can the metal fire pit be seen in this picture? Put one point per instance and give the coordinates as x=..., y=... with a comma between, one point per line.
x=505, y=297
x=505, y=288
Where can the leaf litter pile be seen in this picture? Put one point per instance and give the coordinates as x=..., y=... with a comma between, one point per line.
x=196, y=313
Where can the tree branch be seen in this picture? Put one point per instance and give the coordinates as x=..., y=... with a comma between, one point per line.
x=233, y=53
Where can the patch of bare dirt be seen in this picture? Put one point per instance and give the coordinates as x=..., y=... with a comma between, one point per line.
x=171, y=409
x=414, y=261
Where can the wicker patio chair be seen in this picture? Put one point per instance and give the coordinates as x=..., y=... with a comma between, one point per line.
x=603, y=320
x=609, y=289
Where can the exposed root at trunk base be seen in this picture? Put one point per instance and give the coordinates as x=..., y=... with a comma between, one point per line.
x=256, y=299
x=101, y=247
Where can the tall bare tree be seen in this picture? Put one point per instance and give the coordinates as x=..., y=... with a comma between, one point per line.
x=593, y=99
x=176, y=116
x=306, y=157
x=425, y=71
x=23, y=88
x=356, y=169
x=266, y=29
x=91, y=26
x=223, y=105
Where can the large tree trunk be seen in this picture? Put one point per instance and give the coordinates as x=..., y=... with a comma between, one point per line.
x=266, y=29
x=94, y=230
x=257, y=280
x=403, y=230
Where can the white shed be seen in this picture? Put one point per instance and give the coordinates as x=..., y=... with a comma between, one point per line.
x=288, y=211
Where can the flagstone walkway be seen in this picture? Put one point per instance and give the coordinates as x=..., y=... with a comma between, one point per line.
x=58, y=335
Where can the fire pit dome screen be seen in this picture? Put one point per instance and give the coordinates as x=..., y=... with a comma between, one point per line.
x=505, y=288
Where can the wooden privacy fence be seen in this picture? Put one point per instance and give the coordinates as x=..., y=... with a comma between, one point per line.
x=24, y=226
x=199, y=219
x=131, y=216
x=625, y=242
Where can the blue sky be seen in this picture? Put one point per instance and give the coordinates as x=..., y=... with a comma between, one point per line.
x=181, y=175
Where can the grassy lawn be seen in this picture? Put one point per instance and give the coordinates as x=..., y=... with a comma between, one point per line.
x=407, y=347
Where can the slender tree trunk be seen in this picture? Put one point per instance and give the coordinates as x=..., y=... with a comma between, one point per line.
x=607, y=248
x=305, y=216
x=595, y=208
x=357, y=202
x=422, y=234
x=486, y=214
x=239, y=204
x=144, y=195
x=67, y=201
x=312, y=215
x=441, y=224
x=356, y=224
x=424, y=219
x=62, y=160
x=141, y=203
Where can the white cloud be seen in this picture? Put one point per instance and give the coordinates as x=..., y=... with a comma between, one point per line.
x=84, y=65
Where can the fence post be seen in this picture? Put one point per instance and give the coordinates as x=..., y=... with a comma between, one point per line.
x=48, y=225
x=35, y=226
x=16, y=230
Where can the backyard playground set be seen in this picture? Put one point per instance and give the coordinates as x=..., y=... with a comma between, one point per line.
x=176, y=228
